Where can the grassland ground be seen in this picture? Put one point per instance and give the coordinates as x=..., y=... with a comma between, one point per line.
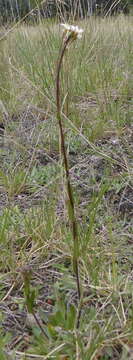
x=97, y=113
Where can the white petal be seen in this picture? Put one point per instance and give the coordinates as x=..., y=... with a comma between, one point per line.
x=75, y=30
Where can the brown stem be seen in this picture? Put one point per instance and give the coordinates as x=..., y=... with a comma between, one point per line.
x=64, y=154
x=39, y=325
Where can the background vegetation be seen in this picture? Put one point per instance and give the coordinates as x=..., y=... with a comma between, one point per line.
x=36, y=248
x=12, y=10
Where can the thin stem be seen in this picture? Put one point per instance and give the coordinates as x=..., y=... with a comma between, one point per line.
x=64, y=154
x=39, y=325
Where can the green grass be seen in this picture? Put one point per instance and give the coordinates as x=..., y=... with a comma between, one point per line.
x=35, y=233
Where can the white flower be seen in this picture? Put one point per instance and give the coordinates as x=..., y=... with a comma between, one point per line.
x=72, y=30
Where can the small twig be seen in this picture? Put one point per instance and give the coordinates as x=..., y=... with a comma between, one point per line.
x=39, y=325
x=43, y=357
x=8, y=293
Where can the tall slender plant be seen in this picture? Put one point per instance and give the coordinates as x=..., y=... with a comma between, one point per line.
x=70, y=34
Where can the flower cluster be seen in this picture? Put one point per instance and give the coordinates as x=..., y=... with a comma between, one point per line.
x=74, y=31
